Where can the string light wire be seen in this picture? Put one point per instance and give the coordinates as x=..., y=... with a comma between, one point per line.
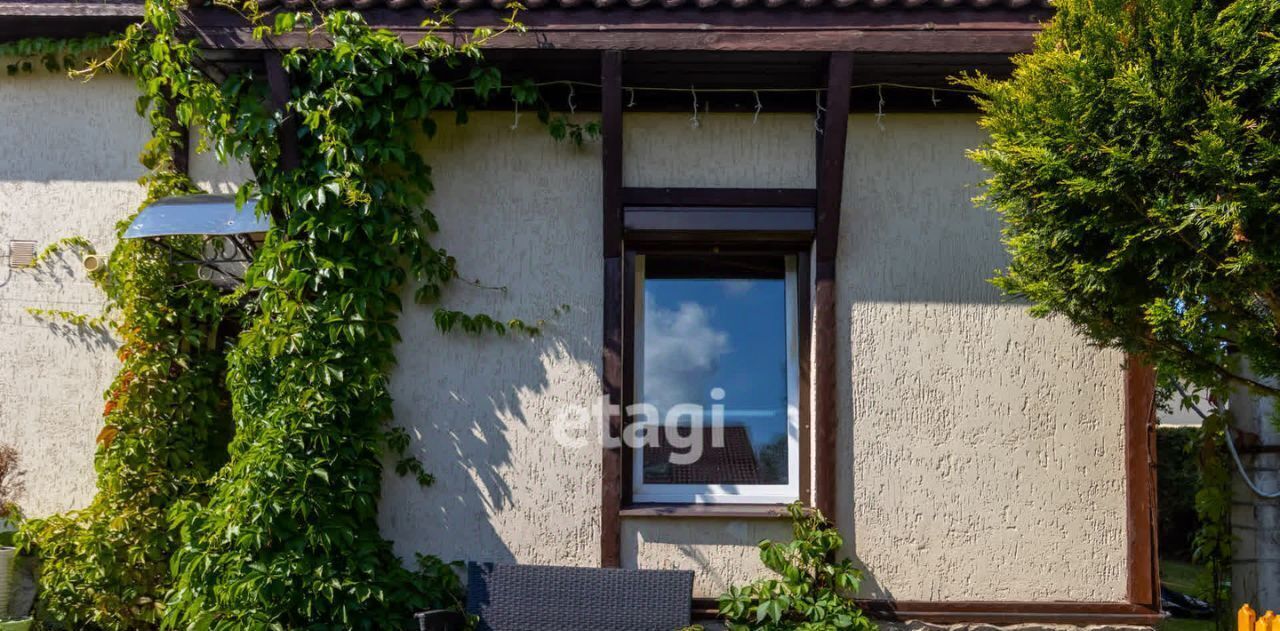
x=817, y=114
x=693, y=122
x=879, y=108
x=696, y=122
x=634, y=89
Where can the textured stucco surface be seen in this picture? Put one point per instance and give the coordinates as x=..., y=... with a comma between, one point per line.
x=523, y=213
x=980, y=450
x=68, y=166
x=723, y=552
x=724, y=150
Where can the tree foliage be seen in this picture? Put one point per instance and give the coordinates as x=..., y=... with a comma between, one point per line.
x=1134, y=158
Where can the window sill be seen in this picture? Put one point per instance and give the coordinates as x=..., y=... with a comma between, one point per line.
x=740, y=511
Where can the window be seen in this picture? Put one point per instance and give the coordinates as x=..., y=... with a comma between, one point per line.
x=716, y=395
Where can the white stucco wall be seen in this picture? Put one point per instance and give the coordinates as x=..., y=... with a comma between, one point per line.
x=68, y=166
x=981, y=450
x=522, y=213
x=981, y=454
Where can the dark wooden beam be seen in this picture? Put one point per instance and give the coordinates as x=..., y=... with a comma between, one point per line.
x=16, y=27
x=1143, y=586
x=956, y=30
x=999, y=42
x=723, y=197
x=180, y=152
x=990, y=612
x=830, y=173
x=826, y=372
x=278, y=82
x=1080, y=613
x=280, y=93
x=791, y=224
x=783, y=18
x=614, y=473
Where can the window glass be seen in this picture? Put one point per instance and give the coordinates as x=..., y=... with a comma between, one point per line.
x=717, y=365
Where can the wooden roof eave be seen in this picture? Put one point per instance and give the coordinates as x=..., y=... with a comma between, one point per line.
x=21, y=20
x=999, y=33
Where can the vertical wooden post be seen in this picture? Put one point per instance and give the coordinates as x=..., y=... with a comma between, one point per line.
x=278, y=82
x=1139, y=445
x=826, y=373
x=612, y=488
x=180, y=152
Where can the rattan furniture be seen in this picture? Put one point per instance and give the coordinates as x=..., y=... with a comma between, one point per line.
x=549, y=598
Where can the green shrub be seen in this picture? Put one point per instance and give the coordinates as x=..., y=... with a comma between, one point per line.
x=814, y=591
x=1134, y=158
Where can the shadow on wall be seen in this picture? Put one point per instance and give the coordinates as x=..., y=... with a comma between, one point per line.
x=55, y=277
x=506, y=490
x=723, y=551
x=972, y=436
x=482, y=410
x=911, y=235
x=910, y=231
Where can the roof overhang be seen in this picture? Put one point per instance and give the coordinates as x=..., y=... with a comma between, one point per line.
x=21, y=20
x=722, y=28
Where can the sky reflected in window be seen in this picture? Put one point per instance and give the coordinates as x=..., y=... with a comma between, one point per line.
x=726, y=331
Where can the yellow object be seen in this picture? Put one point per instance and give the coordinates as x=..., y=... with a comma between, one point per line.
x=1246, y=618
x=1268, y=622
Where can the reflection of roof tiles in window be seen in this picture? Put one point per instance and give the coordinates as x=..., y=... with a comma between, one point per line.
x=734, y=463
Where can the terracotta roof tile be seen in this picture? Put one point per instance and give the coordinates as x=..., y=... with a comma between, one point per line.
x=732, y=463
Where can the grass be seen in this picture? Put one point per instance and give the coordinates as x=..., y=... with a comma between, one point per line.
x=1186, y=624
x=1181, y=577
x=1185, y=578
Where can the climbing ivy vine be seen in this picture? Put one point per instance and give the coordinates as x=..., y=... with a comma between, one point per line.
x=286, y=535
x=24, y=56
x=166, y=423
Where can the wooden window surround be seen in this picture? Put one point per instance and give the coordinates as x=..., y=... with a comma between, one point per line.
x=1141, y=605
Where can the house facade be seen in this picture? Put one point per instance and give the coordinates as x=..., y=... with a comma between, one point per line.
x=776, y=224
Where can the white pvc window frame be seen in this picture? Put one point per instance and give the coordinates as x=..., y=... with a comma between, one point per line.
x=642, y=493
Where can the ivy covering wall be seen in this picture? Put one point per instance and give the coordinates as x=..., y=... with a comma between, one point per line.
x=277, y=528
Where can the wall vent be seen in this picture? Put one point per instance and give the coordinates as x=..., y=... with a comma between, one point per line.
x=22, y=253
